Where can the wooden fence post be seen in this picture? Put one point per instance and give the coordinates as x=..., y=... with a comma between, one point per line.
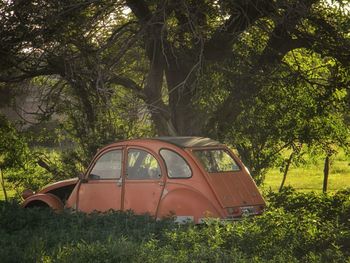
x=325, y=174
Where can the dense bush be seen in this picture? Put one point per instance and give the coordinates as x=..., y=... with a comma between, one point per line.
x=41, y=167
x=325, y=206
x=296, y=227
x=36, y=235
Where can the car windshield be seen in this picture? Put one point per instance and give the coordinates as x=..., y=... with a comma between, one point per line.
x=215, y=161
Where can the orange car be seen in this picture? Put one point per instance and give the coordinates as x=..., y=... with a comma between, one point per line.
x=189, y=177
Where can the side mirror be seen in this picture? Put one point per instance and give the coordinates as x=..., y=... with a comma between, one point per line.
x=82, y=178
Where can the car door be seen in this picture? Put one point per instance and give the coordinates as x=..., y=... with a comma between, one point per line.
x=144, y=182
x=102, y=190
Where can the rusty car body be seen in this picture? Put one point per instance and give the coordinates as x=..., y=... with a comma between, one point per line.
x=190, y=177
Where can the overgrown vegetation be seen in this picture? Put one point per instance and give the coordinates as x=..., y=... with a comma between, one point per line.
x=296, y=227
x=264, y=76
x=22, y=166
x=13, y=151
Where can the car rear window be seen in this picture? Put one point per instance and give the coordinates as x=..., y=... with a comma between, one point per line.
x=216, y=161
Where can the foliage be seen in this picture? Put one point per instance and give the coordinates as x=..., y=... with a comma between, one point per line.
x=32, y=175
x=13, y=149
x=37, y=235
x=260, y=75
x=80, y=90
x=298, y=104
x=293, y=229
x=20, y=163
x=326, y=207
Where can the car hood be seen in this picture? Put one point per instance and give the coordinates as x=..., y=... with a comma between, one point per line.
x=59, y=184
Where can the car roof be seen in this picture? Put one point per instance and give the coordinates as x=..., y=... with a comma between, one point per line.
x=188, y=141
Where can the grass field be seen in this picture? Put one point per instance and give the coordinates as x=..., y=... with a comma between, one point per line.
x=309, y=177
x=10, y=193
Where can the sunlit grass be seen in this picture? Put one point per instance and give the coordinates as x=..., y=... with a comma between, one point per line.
x=309, y=177
x=10, y=194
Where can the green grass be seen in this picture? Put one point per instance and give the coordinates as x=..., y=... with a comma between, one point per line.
x=10, y=193
x=309, y=177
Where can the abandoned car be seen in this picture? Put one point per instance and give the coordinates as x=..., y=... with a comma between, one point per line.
x=191, y=178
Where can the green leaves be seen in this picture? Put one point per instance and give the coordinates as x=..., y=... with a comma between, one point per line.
x=296, y=227
x=260, y=75
x=13, y=149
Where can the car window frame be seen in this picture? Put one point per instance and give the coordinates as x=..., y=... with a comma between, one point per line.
x=154, y=155
x=228, y=151
x=121, y=149
x=166, y=167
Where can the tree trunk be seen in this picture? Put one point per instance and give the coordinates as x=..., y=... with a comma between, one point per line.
x=186, y=118
x=325, y=174
x=159, y=111
x=3, y=185
x=289, y=161
x=179, y=116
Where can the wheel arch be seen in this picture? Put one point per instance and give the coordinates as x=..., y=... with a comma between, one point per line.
x=188, y=204
x=40, y=200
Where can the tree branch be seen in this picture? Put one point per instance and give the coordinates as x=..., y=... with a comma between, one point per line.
x=243, y=14
x=140, y=10
x=27, y=75
x=281, y=41
x=129, y=84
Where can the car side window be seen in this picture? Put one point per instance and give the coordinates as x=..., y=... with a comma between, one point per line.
x=108, y=166
x=142, y=165
x=176, y=165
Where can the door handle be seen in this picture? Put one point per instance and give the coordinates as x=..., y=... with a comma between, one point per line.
x=161, y=183
x=120, y=182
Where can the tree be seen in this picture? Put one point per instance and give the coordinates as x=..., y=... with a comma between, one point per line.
x=67, y=51
x=180, y=42
x=163, y=52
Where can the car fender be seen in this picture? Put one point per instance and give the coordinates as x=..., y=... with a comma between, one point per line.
x=186, y=205
x=49, y=199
